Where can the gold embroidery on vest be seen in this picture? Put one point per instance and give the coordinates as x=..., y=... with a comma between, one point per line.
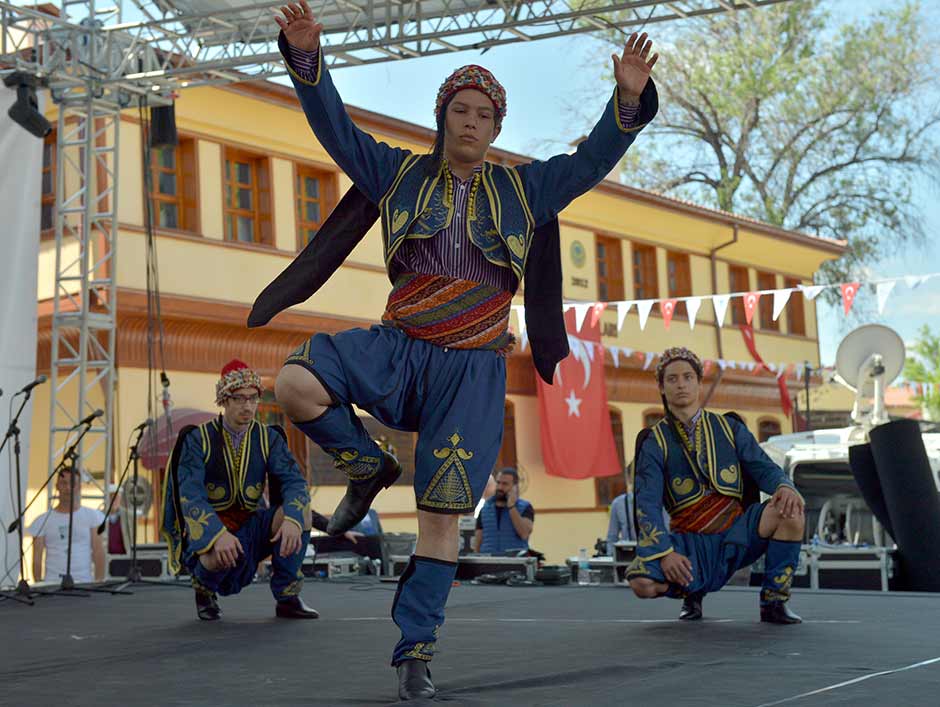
x=729, y=474
x=683, y=486
x=399, y=219
x=254, y=492
x=215, y=493
x=516, y=245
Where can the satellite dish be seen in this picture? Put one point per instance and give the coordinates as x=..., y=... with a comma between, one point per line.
x=861, y=343
x=867, y=361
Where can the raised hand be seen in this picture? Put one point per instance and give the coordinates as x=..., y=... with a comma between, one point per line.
x=299, y=26
x=632, y=69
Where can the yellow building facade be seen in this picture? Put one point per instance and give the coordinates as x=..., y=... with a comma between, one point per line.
x=249, y=183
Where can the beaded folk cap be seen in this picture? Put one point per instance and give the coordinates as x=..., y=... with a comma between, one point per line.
x=477, y=78
x=236, y=375
x=677, y=353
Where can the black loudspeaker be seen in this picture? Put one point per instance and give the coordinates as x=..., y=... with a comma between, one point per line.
x=912, y=501
x=863, y=468
x=163, y=126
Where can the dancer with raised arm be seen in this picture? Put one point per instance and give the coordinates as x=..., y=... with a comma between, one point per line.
x=459, y=234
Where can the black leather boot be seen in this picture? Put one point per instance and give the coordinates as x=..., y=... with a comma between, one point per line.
x=414, y=680
x=294, y=608
x=359, y=496
x=777, y=612
x=692, y=607
x=207, y=606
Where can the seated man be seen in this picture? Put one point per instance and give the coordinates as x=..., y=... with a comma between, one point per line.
x=621, y=525
x=215, y=521
x=692, y=463
x=50, y=534
x=505, y=521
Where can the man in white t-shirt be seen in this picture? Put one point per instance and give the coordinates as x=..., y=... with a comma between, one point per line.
x=50, y=533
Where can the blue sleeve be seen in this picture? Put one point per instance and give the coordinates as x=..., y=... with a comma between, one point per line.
x=654, y=541
x=551, y=185
x=283, y=467
x=203, y=526
x=371, y=165
x=754, y=460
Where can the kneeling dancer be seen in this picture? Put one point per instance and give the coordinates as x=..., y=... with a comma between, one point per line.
x=215, y=521
x=458, y=234
x=692, y=463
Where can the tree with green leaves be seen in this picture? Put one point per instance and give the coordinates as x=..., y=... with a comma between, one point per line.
x=782, y=114
x=924, y=367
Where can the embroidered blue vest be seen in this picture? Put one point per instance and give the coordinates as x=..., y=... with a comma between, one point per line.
x=499, y=221
x=501, y=538
x=717, y=464
x=234, y=477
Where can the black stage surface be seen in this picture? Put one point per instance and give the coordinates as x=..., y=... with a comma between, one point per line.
x=500, y=646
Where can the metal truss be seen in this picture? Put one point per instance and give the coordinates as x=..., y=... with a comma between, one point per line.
x=162, y=46
x=82, y=361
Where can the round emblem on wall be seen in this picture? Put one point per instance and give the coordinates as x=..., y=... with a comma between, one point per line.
x=578, y=255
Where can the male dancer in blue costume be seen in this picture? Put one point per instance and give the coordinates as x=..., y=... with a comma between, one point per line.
x=457, y=233
x=215, y=521
x=692, y=463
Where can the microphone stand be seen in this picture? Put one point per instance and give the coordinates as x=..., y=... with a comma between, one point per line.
x=134, y=575
x=23, y=593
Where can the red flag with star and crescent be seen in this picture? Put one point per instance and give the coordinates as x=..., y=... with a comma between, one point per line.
x=577, y=440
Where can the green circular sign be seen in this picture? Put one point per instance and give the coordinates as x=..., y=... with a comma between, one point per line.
x=578, y=255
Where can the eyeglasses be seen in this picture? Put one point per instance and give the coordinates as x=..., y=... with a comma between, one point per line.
x=245, y=399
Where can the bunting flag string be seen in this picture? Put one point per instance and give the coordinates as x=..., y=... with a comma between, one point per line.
x=883, y=289
x=589, y=350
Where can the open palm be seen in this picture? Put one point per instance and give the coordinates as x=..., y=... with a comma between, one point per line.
x=299, y=26
x=632, y=69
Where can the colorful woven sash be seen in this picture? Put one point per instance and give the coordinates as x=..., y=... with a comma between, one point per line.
x=451, y=313
x=715, y=513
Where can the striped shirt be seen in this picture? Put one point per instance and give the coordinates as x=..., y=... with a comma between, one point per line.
x=449, y=252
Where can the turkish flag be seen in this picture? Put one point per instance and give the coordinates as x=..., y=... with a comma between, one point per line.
x=577, y=441
x=668, y=308
x=849, y=290
x=750, y=304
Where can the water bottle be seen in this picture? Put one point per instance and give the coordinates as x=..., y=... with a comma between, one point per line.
x=584, y=568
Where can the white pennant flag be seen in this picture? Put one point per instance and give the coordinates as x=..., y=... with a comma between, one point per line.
x=649, y=360
x=915, y=281
x=721, y=306
x=580, y=312
x=622, y=309
x=882, y=292
x=615, y=354
x=691, y=306
x=643, y=308
x=722, y=364
x=810, y=292
x=781, y=297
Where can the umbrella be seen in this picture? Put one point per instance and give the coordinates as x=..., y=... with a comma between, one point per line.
x=158, y=441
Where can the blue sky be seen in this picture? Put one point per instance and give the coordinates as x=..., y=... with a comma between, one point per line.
x=549, y=82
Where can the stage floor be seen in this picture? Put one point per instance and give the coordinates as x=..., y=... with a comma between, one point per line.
x=500, y=646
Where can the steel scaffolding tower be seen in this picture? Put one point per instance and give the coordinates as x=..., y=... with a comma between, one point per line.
x=98, y=60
